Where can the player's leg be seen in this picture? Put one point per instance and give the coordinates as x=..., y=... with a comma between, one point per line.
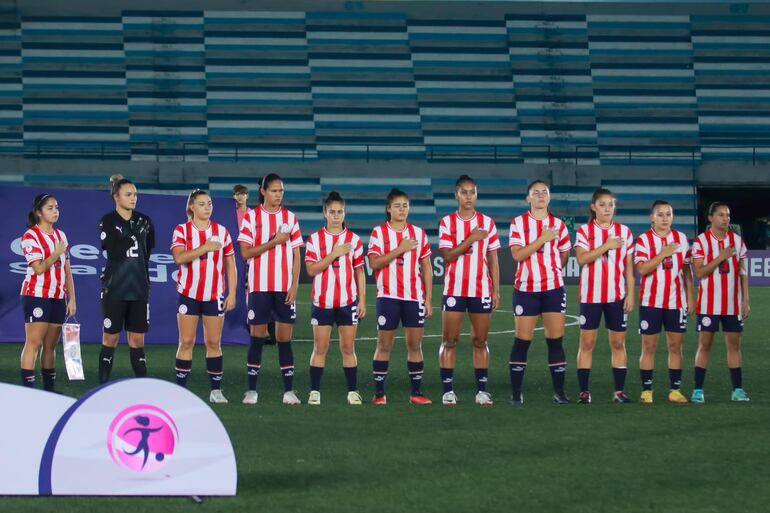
x=590, y=315
x=285, y=317
x=706, y=331
x=616, y=321
x=388, y=318
x=213, y=324
x=259, y=310
x=553, y=325
x=137, y=324
x=480, y=323
x=33, y=342
x=451, y=324
x=322, y=332
x=733, y=328
x=48, y=358
x=526, y=309
x=350, y=361
x=650, y=325
x=113, y=315
x=413, y=318
x=675, y=322
x=188, y=314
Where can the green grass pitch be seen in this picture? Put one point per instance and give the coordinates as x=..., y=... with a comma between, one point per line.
x=578, y=458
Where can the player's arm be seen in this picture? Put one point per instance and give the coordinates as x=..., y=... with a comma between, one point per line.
x=41, y=266
x=704, y=270
x=377, y=262
x=745, y=308
x=232, y=282
x=585, y=257
x=182, y=257
x=361, y=283
x=689, y=287
x=426, y=275
x=69, y=285
x=291, y=295
x=628, y=303
x=115, y=242
x=494, y=274
x=645, y=268
x=315, y=268
x=248, y=251
x=452, y=254
x=521, y=253
x=564, y=255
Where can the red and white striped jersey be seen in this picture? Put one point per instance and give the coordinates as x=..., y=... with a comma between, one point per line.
x=335, y=287
x=664, y=287
x=203, y=278
x=272, y=270
x=468, y=276
x=542, y=271
x=38, y=245
x=401, y=278
x=720, y=292
x=604, y=279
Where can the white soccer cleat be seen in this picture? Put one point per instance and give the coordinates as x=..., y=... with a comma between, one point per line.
x=291, y=398
x=250, y=397
x=315, y=398
x=484, y=399
x=217, y=397
x=449, y=399
x=354, y=398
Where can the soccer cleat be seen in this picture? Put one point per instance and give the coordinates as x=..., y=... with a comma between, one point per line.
x=355, y=399
x=250, y=397
x=291, y=398
x=517, y=399
x=697, y=396
x=419, y=399
x=620, y=397
x=739, y=395
x=560, y=398
x=380, y=400
x=449, y=398
x=646, y=397
x=484, y=398
x=584, y=397
x=217, y=397
x=677, y=397
x=314, y=399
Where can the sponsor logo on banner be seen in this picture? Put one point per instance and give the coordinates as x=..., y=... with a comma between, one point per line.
x=142, y=438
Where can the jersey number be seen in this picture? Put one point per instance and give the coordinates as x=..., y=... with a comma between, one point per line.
x=133, y=251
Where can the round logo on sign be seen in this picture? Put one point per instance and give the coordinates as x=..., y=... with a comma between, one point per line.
x=706, y=321
x=107, y=323
x=182, y=309
x=582, y=320
x=37, y=312
x=251, y=315
x=450, y=302
x=381, y=320
x=142, y=438
x=519, y=310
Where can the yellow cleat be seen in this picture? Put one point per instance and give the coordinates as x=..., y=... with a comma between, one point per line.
x=646, y=397
x=676, y=397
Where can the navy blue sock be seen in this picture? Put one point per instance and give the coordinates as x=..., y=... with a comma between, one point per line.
x=105, y=363
x=254, y=360
x=675, y=378
x=447, y=379
x=215, y=369
x=700, y=377
x=619, y=377
x=481, y=379
x=28, y=378
x=138, y=361
x=646, y=376
x=49, y=379
x=518, y=364
x=557, y=362
x=583, y=375
x=416, y=370
x=316, y=373
x=286, y=361
x=183, y=369
x=736, y=376
x=380, y=372
x=351, y=378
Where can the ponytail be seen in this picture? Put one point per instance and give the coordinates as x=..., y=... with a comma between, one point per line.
x=32, y=216
x=116, y=182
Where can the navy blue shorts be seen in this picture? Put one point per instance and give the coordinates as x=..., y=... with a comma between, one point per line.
x=411, y=314
x=652, y=319
x=189, y=306
x=266, y=307
x=730, y=323
x=342, y=316
x=615, y=318
x=117, y=314
x=38, y=309
x=474, y=305
x=527, y=304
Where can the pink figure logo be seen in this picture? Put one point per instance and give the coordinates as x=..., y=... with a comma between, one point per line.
x=142, y=438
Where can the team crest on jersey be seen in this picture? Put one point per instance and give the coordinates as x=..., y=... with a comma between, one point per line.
x=107, y=323
x=706, y=321
x=182, y=309
x=381, y=320
x=37, y=312
x=519, y=310
x=450, y=302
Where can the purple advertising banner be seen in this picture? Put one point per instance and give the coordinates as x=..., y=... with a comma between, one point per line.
x=80, y=214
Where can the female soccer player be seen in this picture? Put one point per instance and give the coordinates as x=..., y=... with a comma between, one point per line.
x=399, y=253
x=128, y=237
x=540, y=245
x=270, y=240
x=662, y=257
x=334, y=258
x=604, y=251
x=468, y=242
x=719, y=258
x=203, y=249
x=43, y=290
